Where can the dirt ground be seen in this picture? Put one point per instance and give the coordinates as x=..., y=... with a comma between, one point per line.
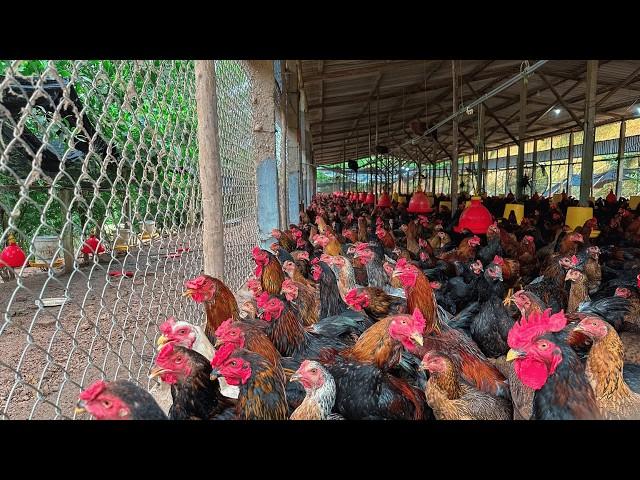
x=107, y=328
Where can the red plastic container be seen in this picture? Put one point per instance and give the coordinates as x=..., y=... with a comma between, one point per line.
x=385, y=200
x=92, y=246
x=611, y=198
x=371, y=199
x=12, y=255
x=476, y=218
x=362, y=197
x=419, y=203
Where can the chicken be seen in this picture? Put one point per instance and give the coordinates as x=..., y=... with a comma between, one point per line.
x=306, y=298
x=218, y=300
x=632, y=318
x=465, y=253
x=376, y=276
x=489, y=329
x=411, y=232
x=604, y=371
x=286, y=239
x=375, y=302
x=451, y=399
x=473, y=365
x=493, y=246
x=579, y=291
x=592, y=269
x=119, y=400
x=528, y=260
x=343, y=271
x=386, y=237
x=320, y=389
x=269, y=270
x=262, y=392
x=195, y=396
x=545, y=363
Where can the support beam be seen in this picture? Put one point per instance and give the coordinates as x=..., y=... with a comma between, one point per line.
x=282, y=168
x=586, y=178
x=522, y=133
x=620, y=170
x=454, y=137
x=560, y=98
x=210, y=168
x=570, y=165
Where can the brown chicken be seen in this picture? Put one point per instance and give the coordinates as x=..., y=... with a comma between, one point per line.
x=579, y=291
x=269, y=270
x=604, y=371
x=451, y=399
x=375, y=302
x=473, y=365
x=529, y=265
x=411, y=232
x=220, y=304
x=465, y=253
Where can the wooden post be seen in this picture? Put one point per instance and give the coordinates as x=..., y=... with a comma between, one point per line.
x=481, y=153
x=454, y=141
x=210, y=168
x=586, y=177
x=620, y=171
x=66, y=196
x=522, y=131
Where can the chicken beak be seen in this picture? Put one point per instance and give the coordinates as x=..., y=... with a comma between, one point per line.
x=578, y=328
x=395, y=274
x=416, y=337
x=422, y=366
x=187, y=293
x=215, y=373
x=295, y=377
x=80, y=408
x=217, y=343
x=161, y=341
x=157, y=371
x=513, y=354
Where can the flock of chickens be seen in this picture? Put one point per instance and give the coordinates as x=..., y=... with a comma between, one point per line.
x=367, y=313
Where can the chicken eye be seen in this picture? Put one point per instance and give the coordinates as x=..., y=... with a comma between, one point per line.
x=234, y=363
x=543, y=345
x=245, y=366
x=403, y=322
x=182, y=332
x=233, y=334
x=106, y=403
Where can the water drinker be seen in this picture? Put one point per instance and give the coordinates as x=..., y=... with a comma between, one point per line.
x=476, y=218
x=517, y=209
x=578, y=216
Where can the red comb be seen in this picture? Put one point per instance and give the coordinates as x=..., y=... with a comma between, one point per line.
x=167, y=327
x=222, y=354
x=165, y=353
x=528, y=329
x=262, y=299
x=574, y=260
x=498, y=260
x=195, y=283
x=418, y=319
x=95, y=389
x=224, y=327
x=402, y=263
x=255, y=252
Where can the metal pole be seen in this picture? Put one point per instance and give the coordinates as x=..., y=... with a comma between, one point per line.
x=534, y=162
x=506, y=172
x=454, y=141
x=570, y=165
x=586, y=177
x=621, y=146
x=481, y=152
x=210, y=168
x=522, y=131
x=66, y=195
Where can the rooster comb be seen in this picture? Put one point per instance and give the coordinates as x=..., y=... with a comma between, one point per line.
x=222, y=354
x=498, y=260
x=224, y=328
x=93, y=390
x=529, y=328
x=167, y=326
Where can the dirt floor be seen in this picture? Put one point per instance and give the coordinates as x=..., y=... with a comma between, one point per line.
x=107, y=328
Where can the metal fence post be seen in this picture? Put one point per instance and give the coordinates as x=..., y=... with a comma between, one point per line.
x=210, y=169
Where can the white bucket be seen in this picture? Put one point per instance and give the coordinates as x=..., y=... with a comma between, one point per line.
x=45, y=248
x=148, y=226
x=122, y=237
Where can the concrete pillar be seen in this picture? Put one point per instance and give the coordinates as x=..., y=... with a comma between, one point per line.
x=263, y=85
x=586, y=177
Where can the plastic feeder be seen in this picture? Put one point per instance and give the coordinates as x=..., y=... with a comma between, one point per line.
x=385, y=201
x=419, y=203
x=444, y=203
x=578, y=216
x=517, y=209
x=371, y=199
x=634, y=201
x=476, y=218
x=12, y=255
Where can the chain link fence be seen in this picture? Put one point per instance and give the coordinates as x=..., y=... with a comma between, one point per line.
x=99, y=188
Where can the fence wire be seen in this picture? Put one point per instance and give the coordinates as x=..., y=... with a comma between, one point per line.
x=99, y=186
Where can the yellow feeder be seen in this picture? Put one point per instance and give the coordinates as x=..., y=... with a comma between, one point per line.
x=578, y=216
x=394, y=197
x=402, y=199
x=517, y=209
x=634, y=201
x=556, y=198
x=445, y=204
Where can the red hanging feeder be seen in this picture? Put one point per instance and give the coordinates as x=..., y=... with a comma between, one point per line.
x=419, y=203
x=12, y=255
x=611, y=198
x=371, y=199
x=475, y=218
x=385, y=201
x=363, y=197
x=92, y=246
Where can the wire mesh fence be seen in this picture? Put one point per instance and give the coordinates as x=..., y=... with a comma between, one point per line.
x=99, y=188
